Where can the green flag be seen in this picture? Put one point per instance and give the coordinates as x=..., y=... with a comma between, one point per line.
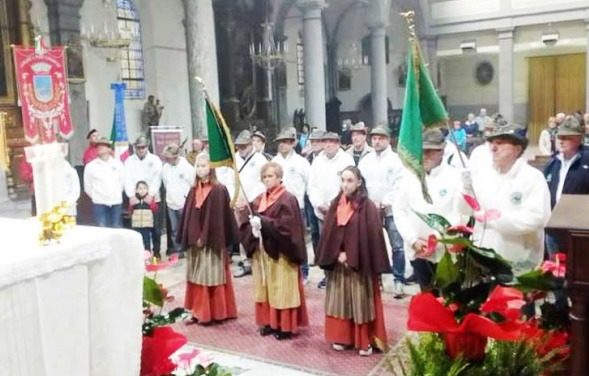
x=221, y=149
x=422, y=108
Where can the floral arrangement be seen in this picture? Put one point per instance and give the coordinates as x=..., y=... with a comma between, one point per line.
x=160, y=340
x=474, y=312
x=55, y=222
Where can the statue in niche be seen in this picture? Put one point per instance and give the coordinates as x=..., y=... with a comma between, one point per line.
x=152, y=112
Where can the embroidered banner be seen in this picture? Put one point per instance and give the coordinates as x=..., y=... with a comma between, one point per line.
x=43, y=93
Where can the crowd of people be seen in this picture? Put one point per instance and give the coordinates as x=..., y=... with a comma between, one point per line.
x=351, y=201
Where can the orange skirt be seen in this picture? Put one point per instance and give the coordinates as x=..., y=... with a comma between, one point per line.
x=346, y=332
x=211, y=303
x=285, y=320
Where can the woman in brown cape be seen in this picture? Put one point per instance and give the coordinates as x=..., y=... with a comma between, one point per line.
x=206, y=230
x=352, y=250
x=274, y=239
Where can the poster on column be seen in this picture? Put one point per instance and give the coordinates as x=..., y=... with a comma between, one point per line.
x=162, y=135
x=43, y=93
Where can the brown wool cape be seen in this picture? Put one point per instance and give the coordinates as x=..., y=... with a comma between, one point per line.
x=282, y=230
x=214, y=223
x=361, y=238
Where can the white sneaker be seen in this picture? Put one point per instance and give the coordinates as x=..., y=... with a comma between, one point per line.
x=366, y=352
x=398, y=291
x=338, y=347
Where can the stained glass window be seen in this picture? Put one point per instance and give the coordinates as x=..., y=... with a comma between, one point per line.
x=131, y=58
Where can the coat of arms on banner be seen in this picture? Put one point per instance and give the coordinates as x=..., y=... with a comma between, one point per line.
x=43, y=93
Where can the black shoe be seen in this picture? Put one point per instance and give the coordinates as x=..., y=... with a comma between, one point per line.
x=411, y=280
x=266, y=330
x=244, y=270
x=280, y=335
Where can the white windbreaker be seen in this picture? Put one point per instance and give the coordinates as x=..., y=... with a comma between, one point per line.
x=296, y=174
x=445, y=188
x=104, y=181
x=522, y=197
x=324, y=179
x=250, y=175
x=383, y=173
x=177, y=180
x=148, y=169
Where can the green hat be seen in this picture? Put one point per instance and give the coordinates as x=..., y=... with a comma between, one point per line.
x=260, y=135
x=380, y=130
x=359, y=127
x=244, y=138
x=570, y=127
x=433, y=139
x=316, y=135
x=289, y=133
x=141, y=141
x=331, y=136
x=506, y=130
x=171, y=151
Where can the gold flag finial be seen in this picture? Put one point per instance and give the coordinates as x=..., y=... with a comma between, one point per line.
x=409, y=17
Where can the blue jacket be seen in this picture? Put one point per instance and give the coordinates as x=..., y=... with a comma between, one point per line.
x=577, y=178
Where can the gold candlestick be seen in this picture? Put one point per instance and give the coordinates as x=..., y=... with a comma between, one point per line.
x=4, y=159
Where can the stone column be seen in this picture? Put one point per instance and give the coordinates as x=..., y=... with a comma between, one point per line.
x=201, y=52
x=64, y=28
x=506, y=72
x=587, y=70
x=313, y=62
x=377, y=21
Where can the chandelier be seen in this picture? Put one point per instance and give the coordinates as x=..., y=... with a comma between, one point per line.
x=108, y=35
x=352, y=59
x=268, y=54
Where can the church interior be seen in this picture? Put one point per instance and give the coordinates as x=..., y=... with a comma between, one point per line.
x=268, y=66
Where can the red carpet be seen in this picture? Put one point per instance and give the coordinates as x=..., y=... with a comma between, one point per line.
x=308, y=351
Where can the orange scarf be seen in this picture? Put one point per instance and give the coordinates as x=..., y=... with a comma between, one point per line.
x=201, y=194
x=345, y=210
x=270, y=197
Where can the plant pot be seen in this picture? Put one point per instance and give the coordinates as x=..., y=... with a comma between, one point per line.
x=470, y=346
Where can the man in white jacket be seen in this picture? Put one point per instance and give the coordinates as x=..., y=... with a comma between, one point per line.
x=296, y=173
x=249, y=164
x=445, y=188
x=383, y=170
x=147, y=167
x=103, y=183
x=178, y=177
x=514, y=202
x=360, y=147
x=324, y=178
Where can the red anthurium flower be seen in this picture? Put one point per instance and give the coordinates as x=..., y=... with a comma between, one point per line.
x=456, y=248
x=185, y=359
x=432, y=244
x=462, y=229
x=157, y=349
x=557, y=269
x=560, y=257
x=472, y=202
x=488, y=215
x=505, y=300
x=156, y=266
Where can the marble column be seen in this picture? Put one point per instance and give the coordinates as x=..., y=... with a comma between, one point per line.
x=377, y=20
x=378, y=74
x=587, y=70
x=506, y=72
x=313, y=62
x=64, y=28
x=201, y=52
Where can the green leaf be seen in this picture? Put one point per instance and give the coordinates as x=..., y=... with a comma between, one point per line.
x=538, y=280
x=458, y=240
x=446, y=272
x=434, y=221
x=152, y=292
x=497, y=266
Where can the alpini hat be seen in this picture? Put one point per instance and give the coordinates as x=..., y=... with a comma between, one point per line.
x=332, y=136
x=171, y=151
x=260, y=135
x=104, y=141
x=141, y=141
x=380, y=130
x=433, y=139
x=316, y=135
x=359, y=127
x=244, y=138
x=570, y=127
x=509, y=131
x=289, y=133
